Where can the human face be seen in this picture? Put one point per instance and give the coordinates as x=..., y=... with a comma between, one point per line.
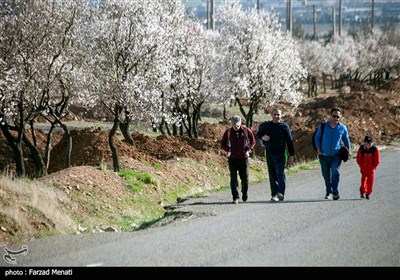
x=276, y=115
x=236, y=126
x=335, y=116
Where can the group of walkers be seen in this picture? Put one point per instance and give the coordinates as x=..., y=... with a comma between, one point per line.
x=276, y=137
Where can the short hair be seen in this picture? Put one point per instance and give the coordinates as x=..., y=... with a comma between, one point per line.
x=235, y=119
x=276, y=110
x=335, y=109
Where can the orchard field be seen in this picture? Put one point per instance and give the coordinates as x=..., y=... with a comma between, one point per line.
x=90, y=197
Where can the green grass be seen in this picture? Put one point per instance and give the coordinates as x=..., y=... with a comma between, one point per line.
x=303, y=166
x=132, y=176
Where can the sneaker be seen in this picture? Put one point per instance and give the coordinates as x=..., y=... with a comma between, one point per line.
x=280, y=196
x=368, y=197
x=336, y=196
x=362, y=195
x=275, y=198
x=236, y=201
x=244, y=198
x=327, y=196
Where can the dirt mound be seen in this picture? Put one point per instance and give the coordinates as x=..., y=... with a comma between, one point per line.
x=86, y=179
x=90, y=147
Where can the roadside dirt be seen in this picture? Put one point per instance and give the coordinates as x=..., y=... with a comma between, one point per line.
x=365, y=111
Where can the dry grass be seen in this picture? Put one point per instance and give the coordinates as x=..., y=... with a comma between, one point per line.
x=29, y=211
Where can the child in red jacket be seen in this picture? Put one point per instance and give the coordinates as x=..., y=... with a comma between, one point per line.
x=368, y=159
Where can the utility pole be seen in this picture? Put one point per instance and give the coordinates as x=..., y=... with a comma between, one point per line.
x=340, y=17
x=289, y=16
x=212, y=14
x=372, y=14
x=314, y=21
x=333, y=21
x=258, y=5
x=208, y=14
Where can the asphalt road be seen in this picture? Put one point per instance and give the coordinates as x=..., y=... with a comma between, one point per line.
x=304, y=230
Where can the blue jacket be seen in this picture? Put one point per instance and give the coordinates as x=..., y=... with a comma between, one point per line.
x=332, y=139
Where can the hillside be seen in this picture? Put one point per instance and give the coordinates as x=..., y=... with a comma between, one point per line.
x=89, y=197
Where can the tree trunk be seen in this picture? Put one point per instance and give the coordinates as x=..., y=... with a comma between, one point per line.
x=48, y=146
x=124, y=127
x=19, y=159
x=37, y=157
x=16, y=147
x=35, y=152
x=196, y=119
x=324, y=82
x=161, y=126
x=114, y=150
x=67, y=132
x=387, y=74
x=195, y=132
x=224, y=113
x=181, y=130
x=314, y=87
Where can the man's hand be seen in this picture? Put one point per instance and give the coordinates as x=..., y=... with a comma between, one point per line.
x=265, y=138
x=290, y=161
x=229, y=154
x=247, y=154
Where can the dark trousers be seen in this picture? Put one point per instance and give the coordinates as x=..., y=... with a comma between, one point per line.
x=276, y=172
x=240, y=166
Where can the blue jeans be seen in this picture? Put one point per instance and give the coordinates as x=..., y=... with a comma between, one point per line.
x=276, y=171
x=330, y=167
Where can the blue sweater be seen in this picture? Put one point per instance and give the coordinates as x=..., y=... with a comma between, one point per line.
x=332, y=139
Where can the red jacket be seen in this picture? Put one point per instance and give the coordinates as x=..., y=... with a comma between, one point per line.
x=238, y=143
x=368, y=159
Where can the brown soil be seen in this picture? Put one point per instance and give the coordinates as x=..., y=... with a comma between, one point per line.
x=365, y=111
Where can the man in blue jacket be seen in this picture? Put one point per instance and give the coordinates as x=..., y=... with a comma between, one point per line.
x=328, y=146
x=277, y=137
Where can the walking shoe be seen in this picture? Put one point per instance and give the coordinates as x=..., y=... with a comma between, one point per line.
x=327, y=196
x=280, y=196
x=362, y=195
x=275, y=198
x=244, y=198
x=368, y=197
x=236, y=201
x=336, y=196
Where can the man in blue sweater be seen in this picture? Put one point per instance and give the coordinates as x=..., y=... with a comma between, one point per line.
x=328, y=147
x=276, y=136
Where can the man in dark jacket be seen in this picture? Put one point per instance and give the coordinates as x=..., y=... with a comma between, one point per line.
x=238, y=141
x=276, y=136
